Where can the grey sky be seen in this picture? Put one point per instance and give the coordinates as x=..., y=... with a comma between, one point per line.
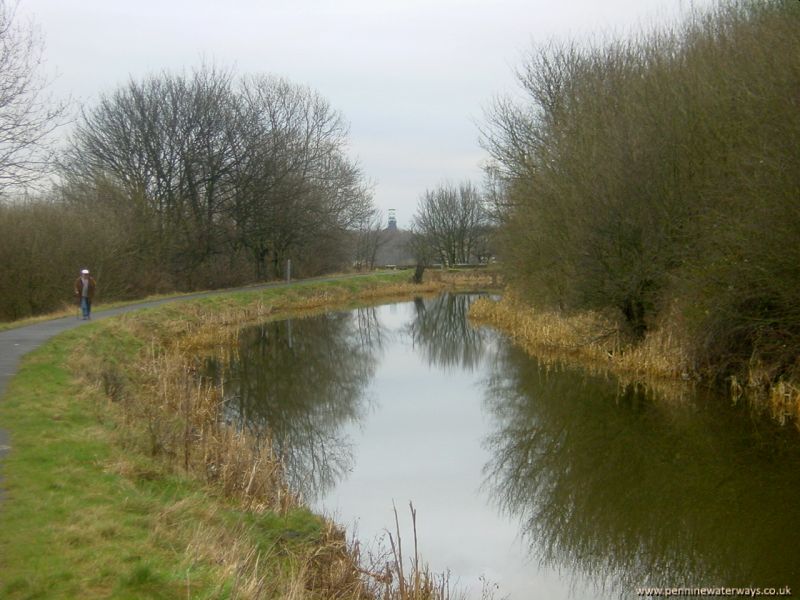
x=411, y=76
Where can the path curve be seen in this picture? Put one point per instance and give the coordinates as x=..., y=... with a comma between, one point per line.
x=17, y=342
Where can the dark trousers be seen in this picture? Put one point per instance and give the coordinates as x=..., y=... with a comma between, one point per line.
x=86, y=306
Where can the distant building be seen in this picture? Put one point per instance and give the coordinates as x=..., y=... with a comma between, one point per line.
x=395, y=248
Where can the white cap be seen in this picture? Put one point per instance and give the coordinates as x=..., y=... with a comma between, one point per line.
x=85, y=272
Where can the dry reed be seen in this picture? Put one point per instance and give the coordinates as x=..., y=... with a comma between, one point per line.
x=659, y=362
x=469, y=277
x=783, y=399
x=591, y=341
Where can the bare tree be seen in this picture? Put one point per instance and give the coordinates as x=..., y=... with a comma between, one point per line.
x=297, y=188
x=223, y=168
x=28, y=115
x=370, y=236
x=450, y=223
x=167, y=141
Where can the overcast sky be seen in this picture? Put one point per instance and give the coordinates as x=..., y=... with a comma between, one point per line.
x=412, y=77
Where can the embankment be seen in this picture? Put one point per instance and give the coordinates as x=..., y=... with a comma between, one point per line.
x=124, y=482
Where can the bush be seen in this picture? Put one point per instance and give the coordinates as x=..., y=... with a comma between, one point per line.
x=662, y=169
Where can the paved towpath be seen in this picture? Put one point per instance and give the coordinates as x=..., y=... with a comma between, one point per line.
x=16, y=343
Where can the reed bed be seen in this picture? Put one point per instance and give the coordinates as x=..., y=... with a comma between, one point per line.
x=592, y=341
x=184, y=423
x=588, y=336
x=660, y=362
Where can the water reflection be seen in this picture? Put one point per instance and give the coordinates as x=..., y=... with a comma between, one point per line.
x=302, y=380
x=629, y=492
x=441, y=332
x=608, y=485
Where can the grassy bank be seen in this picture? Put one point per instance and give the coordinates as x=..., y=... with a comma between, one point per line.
x=69, y=309
x=122, y=483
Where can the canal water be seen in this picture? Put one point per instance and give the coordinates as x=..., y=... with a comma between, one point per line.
x=530, y=481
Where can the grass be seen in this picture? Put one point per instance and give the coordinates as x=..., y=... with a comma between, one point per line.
x=71, y=526
x=85, y=517
x=121, y=484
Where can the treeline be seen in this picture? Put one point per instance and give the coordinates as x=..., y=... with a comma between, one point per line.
x=179, y=182
x=658, y=178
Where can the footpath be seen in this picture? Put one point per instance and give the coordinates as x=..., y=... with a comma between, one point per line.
x=17, y=342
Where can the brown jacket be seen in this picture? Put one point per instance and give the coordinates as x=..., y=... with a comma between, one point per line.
x=79, y=287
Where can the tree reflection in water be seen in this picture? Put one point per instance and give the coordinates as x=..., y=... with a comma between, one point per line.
x=607, y=483
x=302, y=381
x=441, y=331
x=631, y=491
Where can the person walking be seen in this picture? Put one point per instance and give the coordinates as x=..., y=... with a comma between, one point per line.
x=85, y=286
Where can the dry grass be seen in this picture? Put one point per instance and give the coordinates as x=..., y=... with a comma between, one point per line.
x=783, y=399
x=182, y=421
x=416, y=583
x=592, y=341
x=324, y=569
x=484, y=277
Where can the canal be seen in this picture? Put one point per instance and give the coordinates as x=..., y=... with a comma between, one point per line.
x=530, y=480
